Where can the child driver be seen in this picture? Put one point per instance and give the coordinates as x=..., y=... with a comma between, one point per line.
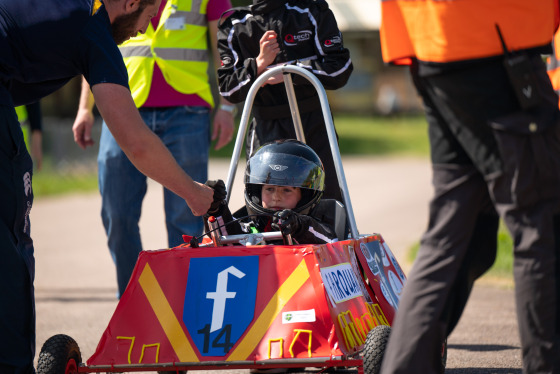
x=284, y=181
x=280, y=197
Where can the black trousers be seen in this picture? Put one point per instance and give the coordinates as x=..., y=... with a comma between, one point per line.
x=489, y=157
x=17, y=265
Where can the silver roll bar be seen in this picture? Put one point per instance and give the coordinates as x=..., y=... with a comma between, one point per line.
x=245, y=115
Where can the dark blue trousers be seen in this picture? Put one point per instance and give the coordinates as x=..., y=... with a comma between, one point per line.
x=17, y=264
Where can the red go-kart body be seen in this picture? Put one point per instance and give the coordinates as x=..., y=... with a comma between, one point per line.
x=259, y=306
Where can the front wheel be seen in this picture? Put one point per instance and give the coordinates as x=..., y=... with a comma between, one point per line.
x=59, y=355
x=374, y=348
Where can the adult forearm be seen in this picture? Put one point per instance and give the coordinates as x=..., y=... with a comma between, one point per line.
x=144, y=149
x=86, y=97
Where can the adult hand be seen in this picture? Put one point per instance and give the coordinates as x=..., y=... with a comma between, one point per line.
x=269, y=48
x=203, y=199
x=37, y=149
x=82, y=128
x=222, y=128
x=286, y=221
x=220, y=194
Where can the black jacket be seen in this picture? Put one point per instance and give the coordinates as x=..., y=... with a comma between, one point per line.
x=308, y=36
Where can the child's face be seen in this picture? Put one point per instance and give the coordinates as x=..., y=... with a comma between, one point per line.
x=280, y=197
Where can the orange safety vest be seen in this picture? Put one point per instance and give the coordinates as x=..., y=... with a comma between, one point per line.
x=443, y=31
x=554, y=64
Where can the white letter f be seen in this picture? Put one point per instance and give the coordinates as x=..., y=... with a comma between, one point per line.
x=221, y=295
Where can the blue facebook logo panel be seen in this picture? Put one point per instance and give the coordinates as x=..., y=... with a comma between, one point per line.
x=220, y=301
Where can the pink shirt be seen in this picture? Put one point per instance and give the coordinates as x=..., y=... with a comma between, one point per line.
x=162, y=94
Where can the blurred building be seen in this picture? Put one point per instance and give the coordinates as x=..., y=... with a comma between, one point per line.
x=373, y=87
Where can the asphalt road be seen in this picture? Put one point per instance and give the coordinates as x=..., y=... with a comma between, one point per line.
x=76, y=284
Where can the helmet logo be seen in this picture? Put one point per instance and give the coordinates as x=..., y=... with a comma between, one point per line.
x=278, y=167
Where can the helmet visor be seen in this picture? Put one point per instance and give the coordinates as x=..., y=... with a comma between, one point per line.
x=284, y=170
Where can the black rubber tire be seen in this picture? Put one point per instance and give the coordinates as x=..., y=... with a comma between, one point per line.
x=59, y=355
x=374, y=348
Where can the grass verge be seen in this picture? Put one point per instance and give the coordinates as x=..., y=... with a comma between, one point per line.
x=358, y=136
x=501, y=273
x=51, y=181
x=372, y=136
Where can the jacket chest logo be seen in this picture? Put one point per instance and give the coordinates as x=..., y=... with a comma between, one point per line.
x=294, y=39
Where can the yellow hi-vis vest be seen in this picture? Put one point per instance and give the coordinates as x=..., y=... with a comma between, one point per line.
x=180, y=48
x=21, y=112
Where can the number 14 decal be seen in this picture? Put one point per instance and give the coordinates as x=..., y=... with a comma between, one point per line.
x=222, y=340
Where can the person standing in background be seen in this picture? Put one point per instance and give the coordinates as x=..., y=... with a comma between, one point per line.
x=168, y=76
x=31, y=115
x=276, y=32
x=494, y=129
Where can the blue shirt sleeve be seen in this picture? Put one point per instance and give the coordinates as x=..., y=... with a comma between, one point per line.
x=102, y=60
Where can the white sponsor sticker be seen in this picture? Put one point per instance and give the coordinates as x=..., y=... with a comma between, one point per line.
x=395, y=263
x=386, y=293
x=341, y=283
x=299, y=316
x=396, y=283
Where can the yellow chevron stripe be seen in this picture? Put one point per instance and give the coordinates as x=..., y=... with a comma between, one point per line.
x=169, y=322
x=294, y=282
